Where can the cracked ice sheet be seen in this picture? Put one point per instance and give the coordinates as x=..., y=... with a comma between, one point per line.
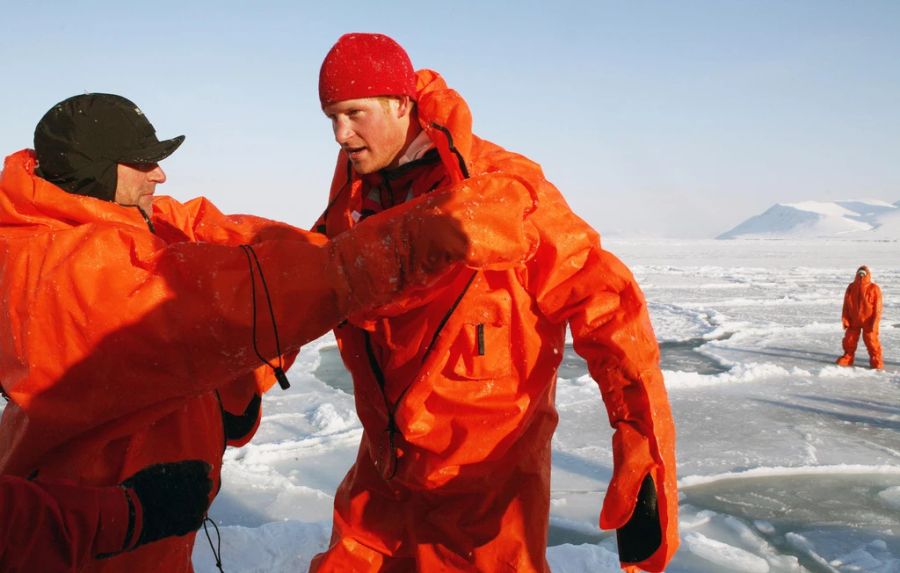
x=786, y=461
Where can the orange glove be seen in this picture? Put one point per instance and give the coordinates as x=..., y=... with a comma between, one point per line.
x=631, y=502
x=642, y=502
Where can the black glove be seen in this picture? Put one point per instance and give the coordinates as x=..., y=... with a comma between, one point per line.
x=642, y=535
x=238, y=426
x=174, y=497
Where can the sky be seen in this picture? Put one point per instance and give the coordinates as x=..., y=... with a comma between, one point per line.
x=654, y=118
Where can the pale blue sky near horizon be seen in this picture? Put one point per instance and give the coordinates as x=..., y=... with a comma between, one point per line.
x=654, y=118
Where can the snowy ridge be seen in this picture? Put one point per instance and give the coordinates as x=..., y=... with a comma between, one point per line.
x=869, y=219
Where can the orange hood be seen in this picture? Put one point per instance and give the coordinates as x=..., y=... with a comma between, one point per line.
x=862, y=301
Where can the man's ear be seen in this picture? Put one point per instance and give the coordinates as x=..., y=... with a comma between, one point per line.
x=405, y=106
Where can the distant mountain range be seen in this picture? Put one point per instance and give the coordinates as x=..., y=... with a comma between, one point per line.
x=862, y=220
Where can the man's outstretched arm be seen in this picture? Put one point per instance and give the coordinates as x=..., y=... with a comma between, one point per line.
x=201, y=311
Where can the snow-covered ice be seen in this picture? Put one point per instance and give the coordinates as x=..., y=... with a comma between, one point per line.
x=787, y=463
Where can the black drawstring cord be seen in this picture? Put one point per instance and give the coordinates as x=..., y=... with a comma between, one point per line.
x=216, y=549
x=146, y=219
x=278, y=370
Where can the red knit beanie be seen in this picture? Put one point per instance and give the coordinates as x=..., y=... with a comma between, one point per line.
x=365, y=65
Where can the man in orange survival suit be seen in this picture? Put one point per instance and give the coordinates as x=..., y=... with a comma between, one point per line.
x=455, y=387
x=862, y=312
x=136, y=330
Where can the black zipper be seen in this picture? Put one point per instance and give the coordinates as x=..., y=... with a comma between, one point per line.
x=392, y=428
x=453, y=149
x=447, y=316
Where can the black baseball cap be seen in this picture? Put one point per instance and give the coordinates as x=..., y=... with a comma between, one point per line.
x=80, y=140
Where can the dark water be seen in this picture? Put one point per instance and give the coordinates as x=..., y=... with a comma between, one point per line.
x=560, y=535
x=331, y=370
x=681, y=356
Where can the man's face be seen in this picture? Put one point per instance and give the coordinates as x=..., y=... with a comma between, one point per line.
x=372, y=131
x=137, y=182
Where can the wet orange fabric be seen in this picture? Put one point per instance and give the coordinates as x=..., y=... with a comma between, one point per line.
x=114, y=340
x=455, y=387
x=55, y=527
x=861, y=315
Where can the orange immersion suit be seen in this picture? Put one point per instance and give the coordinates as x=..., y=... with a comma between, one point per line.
x=123, y=346
x=455, y=387
x=862, y=313
x=54, y=527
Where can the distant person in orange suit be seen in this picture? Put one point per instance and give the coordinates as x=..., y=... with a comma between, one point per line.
x=862, y=312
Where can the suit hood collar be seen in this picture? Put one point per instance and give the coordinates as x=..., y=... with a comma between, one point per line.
x=26, y=199
x=446, y=117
